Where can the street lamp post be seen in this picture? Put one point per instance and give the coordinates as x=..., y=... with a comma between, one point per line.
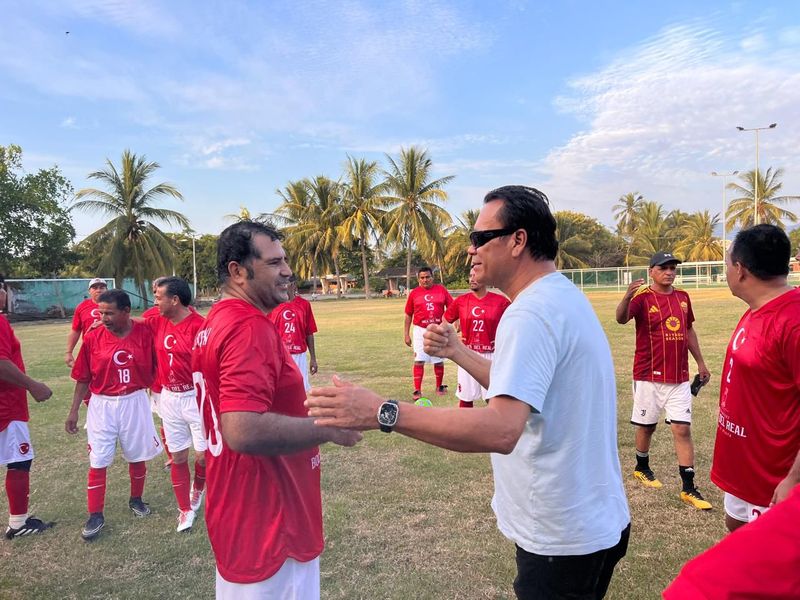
x=755, y=178
x=194, y=269
x=724, y=204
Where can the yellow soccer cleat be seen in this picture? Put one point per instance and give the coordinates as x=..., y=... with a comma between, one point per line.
x=696, y=499
x=648, y=478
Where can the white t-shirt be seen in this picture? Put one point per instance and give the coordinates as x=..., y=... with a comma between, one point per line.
x=559, y=493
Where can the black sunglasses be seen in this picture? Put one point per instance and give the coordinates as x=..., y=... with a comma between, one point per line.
x=479, y=238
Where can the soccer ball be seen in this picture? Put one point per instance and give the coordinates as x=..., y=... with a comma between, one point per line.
x=423, y=402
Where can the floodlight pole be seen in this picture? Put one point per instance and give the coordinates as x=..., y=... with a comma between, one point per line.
x=724, y=204
x=194, y=269
x=755, y=177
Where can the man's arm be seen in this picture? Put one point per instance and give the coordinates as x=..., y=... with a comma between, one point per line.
x=71, y=424
x=788, y=483
x=272, y=434
x=11, y=374
x=623, y=315
x=72, y=341
x=443, y=341
x=694, y=347
x=313, y=367
x=496, y=428
x=407, y=330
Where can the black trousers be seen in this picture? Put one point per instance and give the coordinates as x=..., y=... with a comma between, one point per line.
x=583, y=577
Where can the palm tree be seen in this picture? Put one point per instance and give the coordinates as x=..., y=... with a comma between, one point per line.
x=364, y=208
x=741, y=209
x=416, y=216
x=698, y=242
x=571, y=244
x=131, y=244
x=457, y=241
x=243, y=215
x=326, y=199
x=626, y=212
x=652, y=233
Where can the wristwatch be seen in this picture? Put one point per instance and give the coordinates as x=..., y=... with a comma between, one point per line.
x=387, y=415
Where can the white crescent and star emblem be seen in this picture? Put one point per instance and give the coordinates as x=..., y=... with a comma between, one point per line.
x=288, y=314
x=121, y=357
x=477, y=311
x=169, y=342
x=738, y=342
x=95, y=313
x=428, y=297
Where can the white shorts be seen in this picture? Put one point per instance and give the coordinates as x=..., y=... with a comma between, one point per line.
x=742, y=511
x=418, y=344
x=15, y=443
x=124, y=418
x=180, y=415
x=468, y=389
x=154, y=398
x=293, y=581
x=301, y=360
x=650, y=398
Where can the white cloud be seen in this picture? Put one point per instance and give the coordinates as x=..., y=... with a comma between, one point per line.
x=69, y=123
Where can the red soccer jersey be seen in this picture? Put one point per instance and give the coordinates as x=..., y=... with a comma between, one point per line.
x=173, y=344
x=151, y=312
x=428, y=306
x=758, y=428
x=478, y=318
x=116, y=366
x=86, y=313
x=662, y=344
x=13, y=399
x=295, y=322
x=241, y=365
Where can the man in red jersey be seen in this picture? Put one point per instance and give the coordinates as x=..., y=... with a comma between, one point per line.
x=296, y=324
x=173, y=335
x=155, y=388
x=263, y=507
x=16, y=449
x=425, y=306
x=86, y=314
x=664, y=338
x=478, y=314
x=117, y=363
x=757, y=450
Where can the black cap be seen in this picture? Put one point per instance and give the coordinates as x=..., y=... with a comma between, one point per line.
x=663, y=258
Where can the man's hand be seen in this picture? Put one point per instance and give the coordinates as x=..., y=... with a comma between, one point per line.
x=96, y=324
x=313, y=366
x=71, y=424
x=704, y=373
x=69, y=359
x=441, y=340
x=344, y=406
x=345, y=437
x=40, y=391
x=635, y=285
x=408, y=340
x=783, y=489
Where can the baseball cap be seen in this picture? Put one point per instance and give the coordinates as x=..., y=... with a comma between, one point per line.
x=97, y=281
x=662, y=258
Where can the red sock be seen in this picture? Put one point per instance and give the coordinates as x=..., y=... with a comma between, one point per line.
x=180, y=484
x=138, y=473
x=164, y=441
x=96, y=490
x=419, y=371
x=199, y=476
x=438, y=369
x=464, y=404
x=17, y=488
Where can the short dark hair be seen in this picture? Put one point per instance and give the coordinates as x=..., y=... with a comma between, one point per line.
x=424, y=269
x=529, y=209
x=119, y=298
x=764, y=249
x=235, y=244
x=175, y=286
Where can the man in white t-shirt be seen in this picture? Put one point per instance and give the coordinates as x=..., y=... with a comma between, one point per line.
x=551, y=418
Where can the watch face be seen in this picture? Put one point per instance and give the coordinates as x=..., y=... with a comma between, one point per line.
x=388, y=414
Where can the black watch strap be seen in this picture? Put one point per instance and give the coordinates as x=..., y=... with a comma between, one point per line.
x=385, y=427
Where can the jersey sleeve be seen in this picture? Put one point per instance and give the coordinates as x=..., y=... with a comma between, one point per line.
x=249, y=367
x=410, y=304
x=635, y=307
x=790, y=347
x=76, y=319
x=451, y=314
x=311, y=325
x=448, y=299
x=5, y=340
x=82, y=369
x=689, y=312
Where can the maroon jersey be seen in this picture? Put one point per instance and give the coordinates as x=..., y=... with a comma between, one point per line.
x=13, y=399
x=662, y=343
x=241, y=365
x=173, y=344
x=295, y=322
x=478, y=318
x=428, y=305
x=758, y=428
x=86, y=313
x=115, y=366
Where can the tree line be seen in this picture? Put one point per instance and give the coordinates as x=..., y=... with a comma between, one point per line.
x=373, y=215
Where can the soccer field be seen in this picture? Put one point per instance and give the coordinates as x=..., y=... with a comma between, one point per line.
x=402, y=519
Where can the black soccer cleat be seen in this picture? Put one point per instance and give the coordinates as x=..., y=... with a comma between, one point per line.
x=139, y=508
x=31, y=526
x=93, y=526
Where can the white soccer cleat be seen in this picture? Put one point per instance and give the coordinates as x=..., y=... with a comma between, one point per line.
x=196, y=498
x=185, y=520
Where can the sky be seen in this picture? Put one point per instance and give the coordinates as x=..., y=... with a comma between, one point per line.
x=585, y=100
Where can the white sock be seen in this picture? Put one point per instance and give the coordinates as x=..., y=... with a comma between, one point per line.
x=17, y=521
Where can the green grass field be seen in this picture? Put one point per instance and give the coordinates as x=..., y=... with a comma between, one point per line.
x=402, y=519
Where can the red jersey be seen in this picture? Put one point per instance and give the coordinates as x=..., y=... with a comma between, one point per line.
x=116, y=366
x=241, y=365
x=758, y=428
x=662, y=343
x=151, y=312
x=13, y=399
x=295, y=322
x=428, y=305
x=86, y=313
x=173, y=344
x=760, y=560
x=478, y=318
